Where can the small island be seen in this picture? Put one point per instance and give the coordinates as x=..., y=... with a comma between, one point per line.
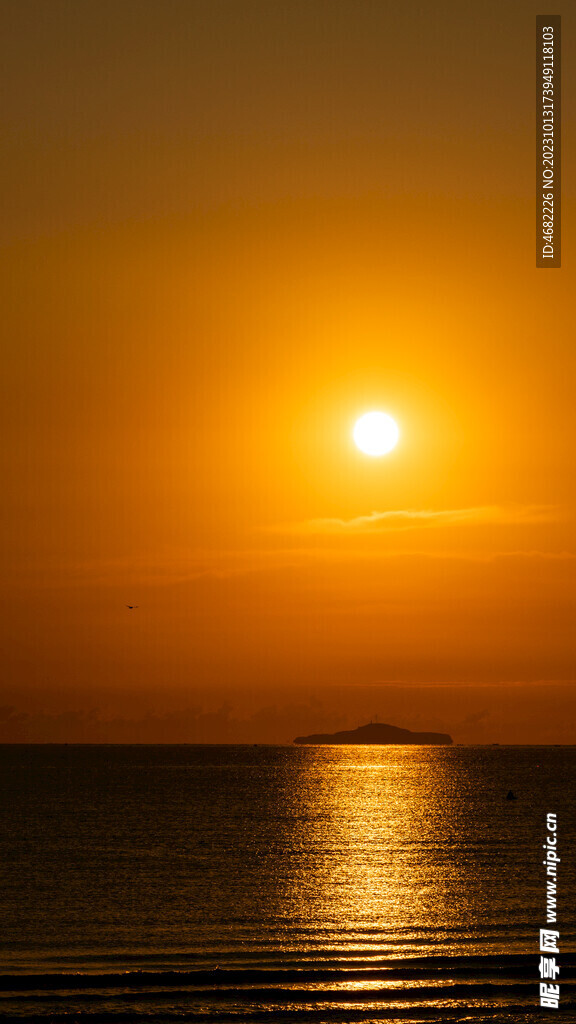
x=377, y=732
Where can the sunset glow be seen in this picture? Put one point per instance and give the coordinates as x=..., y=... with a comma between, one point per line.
x=268, y=377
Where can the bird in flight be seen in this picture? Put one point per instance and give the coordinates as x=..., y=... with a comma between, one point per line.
x=132, y=606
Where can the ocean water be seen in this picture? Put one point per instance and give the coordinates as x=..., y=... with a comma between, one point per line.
x=239, y=883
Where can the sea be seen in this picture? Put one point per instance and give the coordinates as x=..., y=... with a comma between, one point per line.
x=275, y=883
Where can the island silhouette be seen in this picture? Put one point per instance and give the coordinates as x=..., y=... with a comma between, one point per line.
x=376, y=732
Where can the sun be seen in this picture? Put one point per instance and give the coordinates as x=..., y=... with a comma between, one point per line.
x=376, y=433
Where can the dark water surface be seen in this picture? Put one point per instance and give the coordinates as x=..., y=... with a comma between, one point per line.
x=238, y=883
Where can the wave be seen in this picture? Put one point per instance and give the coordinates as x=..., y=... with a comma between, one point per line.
x=481, y=988
x=512, y=965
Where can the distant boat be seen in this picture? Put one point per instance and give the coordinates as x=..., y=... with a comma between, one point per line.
x=510, y=795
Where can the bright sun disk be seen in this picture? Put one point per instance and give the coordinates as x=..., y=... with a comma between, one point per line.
x=376, y=433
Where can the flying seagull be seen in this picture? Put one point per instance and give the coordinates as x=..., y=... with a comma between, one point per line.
x=131, y=606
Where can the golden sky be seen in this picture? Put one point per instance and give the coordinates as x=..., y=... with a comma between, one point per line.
x=230, y=228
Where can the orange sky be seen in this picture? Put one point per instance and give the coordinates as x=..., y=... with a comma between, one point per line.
x=231, y=227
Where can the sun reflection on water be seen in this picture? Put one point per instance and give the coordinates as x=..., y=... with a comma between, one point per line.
x=386, y=853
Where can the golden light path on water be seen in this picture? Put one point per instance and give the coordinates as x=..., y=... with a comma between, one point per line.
x=389, y=853
x=380, y=881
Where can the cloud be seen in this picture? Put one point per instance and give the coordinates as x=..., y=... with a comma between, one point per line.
x=411, y=519
x=160, y=570
x=172, y=566
x=225, y=724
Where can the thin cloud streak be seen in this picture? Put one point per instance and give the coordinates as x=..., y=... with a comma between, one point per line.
x=195, y=566
x=411, y=519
